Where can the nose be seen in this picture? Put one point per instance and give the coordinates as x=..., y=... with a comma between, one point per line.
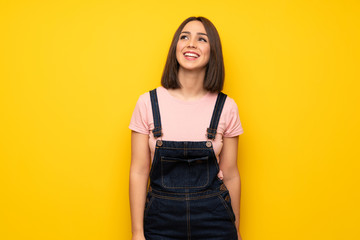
x=192, y=43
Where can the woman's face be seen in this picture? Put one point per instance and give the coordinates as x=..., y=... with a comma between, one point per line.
x=193, y=47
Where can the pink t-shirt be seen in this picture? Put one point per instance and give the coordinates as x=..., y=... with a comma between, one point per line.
x=185, y=120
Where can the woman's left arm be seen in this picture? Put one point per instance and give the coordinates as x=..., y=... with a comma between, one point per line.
x=228, y=165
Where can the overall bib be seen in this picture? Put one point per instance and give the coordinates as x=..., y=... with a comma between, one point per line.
x=186, y=200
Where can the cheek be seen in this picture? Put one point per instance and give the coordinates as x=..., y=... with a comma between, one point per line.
x=178, y=50
x=178, y=54
x=207, y=52
x=179, y=45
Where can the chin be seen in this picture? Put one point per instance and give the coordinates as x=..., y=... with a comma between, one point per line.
x=192, y=67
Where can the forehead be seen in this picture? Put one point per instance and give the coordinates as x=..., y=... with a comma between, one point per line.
x=194, y=26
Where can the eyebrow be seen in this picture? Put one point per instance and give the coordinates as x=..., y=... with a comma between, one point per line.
x=199, y=33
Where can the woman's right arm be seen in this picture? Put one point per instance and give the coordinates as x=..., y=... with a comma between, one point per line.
x=139, y=174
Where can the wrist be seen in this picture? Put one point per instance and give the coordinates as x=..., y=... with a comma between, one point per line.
x=138, y=232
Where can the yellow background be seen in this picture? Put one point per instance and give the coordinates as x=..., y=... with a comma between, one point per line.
x=72, y=71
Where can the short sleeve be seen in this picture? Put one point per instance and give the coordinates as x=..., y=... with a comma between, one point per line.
x=233, y=125
x=139, y=119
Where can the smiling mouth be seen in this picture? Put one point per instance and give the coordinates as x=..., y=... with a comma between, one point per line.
x=191, y=56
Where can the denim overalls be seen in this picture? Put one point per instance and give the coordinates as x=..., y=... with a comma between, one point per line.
x=186, y=200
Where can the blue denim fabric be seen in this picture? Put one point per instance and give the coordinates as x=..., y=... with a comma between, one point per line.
x=186, y=200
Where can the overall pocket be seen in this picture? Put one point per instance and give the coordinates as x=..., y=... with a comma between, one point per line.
x=184, y=173
x=148, y=203
x=149, y=206
x=226, y=201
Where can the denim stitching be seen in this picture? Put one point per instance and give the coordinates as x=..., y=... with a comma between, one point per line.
x=156, y=114
x=157, y=110
x=227, y=208
x=182, y=187
x=188, y=219
x=177, y=193
x=148, y=207
x=218, y=114
x=214, y=113
x=183, y=148
x=220, y=101
x=187, y=197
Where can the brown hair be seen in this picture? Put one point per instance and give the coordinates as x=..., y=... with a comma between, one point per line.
x=215, y=71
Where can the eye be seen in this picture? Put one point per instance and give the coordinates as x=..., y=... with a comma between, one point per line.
x=183, y=36
x=203, y=39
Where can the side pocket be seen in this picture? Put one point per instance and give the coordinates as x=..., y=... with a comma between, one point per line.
x=149, y=201
x=226, y=201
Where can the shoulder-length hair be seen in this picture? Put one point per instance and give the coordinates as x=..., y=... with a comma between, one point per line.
x=215, y=71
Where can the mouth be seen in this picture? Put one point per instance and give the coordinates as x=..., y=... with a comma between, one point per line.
x=191, y=55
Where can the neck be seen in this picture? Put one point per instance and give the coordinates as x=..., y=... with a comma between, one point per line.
x=192, y=84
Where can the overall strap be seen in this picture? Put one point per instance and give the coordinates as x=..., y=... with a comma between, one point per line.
x=156, y=114
x=211, y=131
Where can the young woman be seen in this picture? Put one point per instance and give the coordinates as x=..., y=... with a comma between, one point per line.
x=185, y=138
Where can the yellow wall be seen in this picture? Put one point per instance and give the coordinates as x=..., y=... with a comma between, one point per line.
x=71, y=72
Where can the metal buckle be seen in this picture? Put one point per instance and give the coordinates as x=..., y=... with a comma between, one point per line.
x=159, y=143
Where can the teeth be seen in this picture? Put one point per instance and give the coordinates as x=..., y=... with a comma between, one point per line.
x=191, y=55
